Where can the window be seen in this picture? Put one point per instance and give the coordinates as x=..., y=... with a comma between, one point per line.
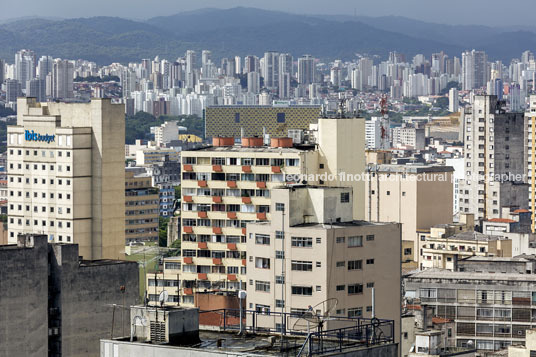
x=355, y=264
x=262, y=263
x=341, y=287
x=318, y=240
x=370, y=261
x=340, y=239
x=318, y=264
x=355, y=312
x=340, y=264
x=279, y=279
x=279, y=254
x=280, y=117
x=263, y=286
x=279, y=206
x=370, y=285
x=262, y=239
x=356, y=241
x=279, y=235
x=303, y=242
x=370, y=237
x=279, y=303
x=345, y=197
x=355, y=289
x=300, y=265
x=237, y=118
x=302, y=290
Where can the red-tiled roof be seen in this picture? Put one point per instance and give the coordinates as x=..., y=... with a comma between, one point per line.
x=501, y=220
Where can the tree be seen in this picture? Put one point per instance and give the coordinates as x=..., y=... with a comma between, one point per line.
x=451, y=84
x=442, y=102
x=178, y=192
x=162, y=231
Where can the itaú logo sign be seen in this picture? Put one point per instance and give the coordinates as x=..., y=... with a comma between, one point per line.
x=32, y=136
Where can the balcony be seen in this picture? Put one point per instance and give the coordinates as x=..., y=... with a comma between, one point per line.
x=202, y=276
x=231, y=277
x=188, y=291
x=244, y=231
x=261, y=184
x=187, y=168
x=216, y=199
x=216, y=261
x=202, y=245
x=276, y=169
x=188, y=260
x=202, y=183
x=261, y=216
x=216, y=230
x=231, y=215
x=246, y=168
x=246, y=200
x=188, y=199
x=231, y=246
x=244, y=262
x=202, y=214
x=231, y=184
x=188, y=229
x=217, y=168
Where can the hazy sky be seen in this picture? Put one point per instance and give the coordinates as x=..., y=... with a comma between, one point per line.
x=486, y=12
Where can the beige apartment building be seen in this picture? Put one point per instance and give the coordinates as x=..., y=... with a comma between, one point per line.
x=313, y=251
x=141, y=208
x=226, y=186
x=66, y=175
x=417, y=196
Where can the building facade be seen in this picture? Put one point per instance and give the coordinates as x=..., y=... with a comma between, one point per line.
x=141, y=208
x=66, y=175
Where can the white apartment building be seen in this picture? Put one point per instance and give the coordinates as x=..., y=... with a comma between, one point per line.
x=66, y=175
x=313, y=251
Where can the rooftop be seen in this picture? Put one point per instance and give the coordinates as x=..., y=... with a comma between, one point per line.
x=411, y=168
x=435, y=273
x=239, y=148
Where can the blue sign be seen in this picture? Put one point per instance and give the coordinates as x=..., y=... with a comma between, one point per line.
x=31, y=136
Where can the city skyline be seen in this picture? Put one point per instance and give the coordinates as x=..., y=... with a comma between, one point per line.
x=474, y=12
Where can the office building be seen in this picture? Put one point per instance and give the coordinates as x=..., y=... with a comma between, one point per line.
x=490, y=305
x=36, y=88
x=494, y=159
x=2, y=71
x=66, y=175
x=312, y=251
x=153, y=155
x=254, y=120
x=271, y=70
x=225, y=186
x=530, y=157
x=475, y=73
x=62, y=79
x=55, y=304
x=13, y=90
x=417, y=196
x=253, y=82
x=165, y=133
x=141, y=208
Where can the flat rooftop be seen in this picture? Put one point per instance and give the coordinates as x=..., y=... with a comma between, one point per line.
x=239, y=148
x=435, y=273
x=411, y=168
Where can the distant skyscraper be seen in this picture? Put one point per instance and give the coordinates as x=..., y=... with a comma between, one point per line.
x=13, y=90
x=271, y=69
x=36, y=88
x=206, y=56
x=475, y=69
x=251, y=64
x=44, y=67
x=2, y=71
x=253, y=82
x=306, y=70
x=284, y=85
x=24, y=66
x=62, y=79
x=238, y=65
x=454, y=100
x=190, y=68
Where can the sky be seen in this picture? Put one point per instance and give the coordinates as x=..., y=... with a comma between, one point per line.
x=481, y=12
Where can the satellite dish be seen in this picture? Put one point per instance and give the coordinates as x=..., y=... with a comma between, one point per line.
x=163, y=297
x=311, y=319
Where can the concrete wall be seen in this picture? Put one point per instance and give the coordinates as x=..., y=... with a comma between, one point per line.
x=23, y=300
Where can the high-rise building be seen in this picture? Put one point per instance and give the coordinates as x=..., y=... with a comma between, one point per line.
x=454, y=100
x=2, y=71
x=271, y=70
x=13, y=90
x=24, y=67
x=62, y=79
x=66, y=175
x=190, y=68
x=315, y=252
x=251, y=64
x=475, y=69
x=306, y=69
x=44, y=67
x=284, y=85
x=494, y=159
x=36, y=88
x=225, y=186
x=253, y=82
x=530, y=157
